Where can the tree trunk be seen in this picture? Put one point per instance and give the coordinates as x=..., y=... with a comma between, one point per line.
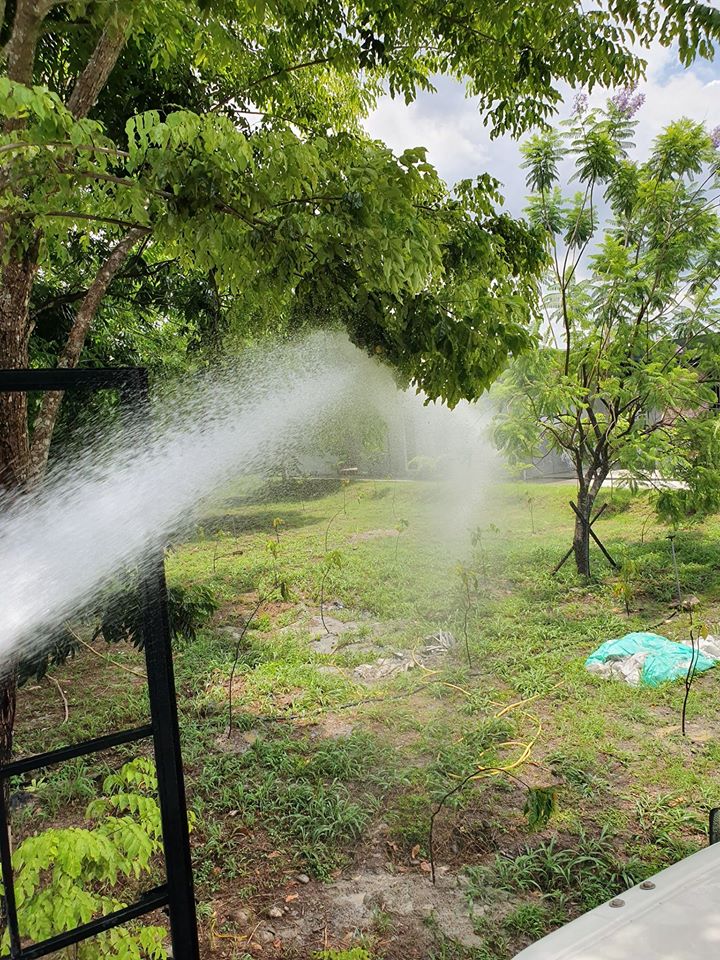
x=8, y=703
x=20, y=49
x=44, y=424
x=99, y=67
x=581, y=536
x=589, y=486
x=17, y=280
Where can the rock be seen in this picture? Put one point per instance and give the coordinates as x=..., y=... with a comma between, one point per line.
x=275, y=913
x=404, y=908
x=687, y=603
x=328, y=670
x=266, y=936
x=241, y=917
x=319, y=629
x=384, y=667
x=325, y=644
x=302, y=878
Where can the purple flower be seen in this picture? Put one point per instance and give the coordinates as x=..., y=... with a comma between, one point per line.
x=715, y=138
x=580, y=104
x=628, y=101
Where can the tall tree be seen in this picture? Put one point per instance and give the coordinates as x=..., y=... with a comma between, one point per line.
x=200, y=183
x=626, y=373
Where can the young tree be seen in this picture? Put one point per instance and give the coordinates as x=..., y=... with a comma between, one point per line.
x=624, y=374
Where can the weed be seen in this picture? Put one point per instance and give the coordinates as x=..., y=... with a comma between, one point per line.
x=534, y=920
x=382, y=922
x=311, y=798
x=576, y=770
x=71, y=783
x=669, y=824
x=584, y=875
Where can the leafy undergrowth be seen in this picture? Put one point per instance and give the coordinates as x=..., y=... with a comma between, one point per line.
x=315, y=771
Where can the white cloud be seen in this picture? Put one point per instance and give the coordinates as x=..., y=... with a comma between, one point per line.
x=445, y=122
x=450, y=126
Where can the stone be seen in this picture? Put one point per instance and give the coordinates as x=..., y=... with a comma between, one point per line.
x=275, y=913
x=383, y=668
x=302, y=878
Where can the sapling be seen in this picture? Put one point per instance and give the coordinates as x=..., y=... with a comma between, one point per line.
x=277, y=523
x=401, y=525
x=238, y=647
x=477, y=538
x=331, y=560
x=671, y=538
x=540, y=804
x=468, y=583
x=273, y=548
x=327, y=528
x=690, y=675
x=624, y=587
x=66, y=876
x=531, y=503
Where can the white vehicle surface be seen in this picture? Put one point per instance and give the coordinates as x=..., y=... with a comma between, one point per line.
x=674, y=915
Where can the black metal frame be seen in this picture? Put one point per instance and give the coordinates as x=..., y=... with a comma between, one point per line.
x=176, y=894
x=714, y=826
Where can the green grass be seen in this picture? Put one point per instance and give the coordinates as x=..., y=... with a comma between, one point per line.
x=329, y=760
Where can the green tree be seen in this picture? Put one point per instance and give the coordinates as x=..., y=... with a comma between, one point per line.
x=625, y=375
x=301, y=193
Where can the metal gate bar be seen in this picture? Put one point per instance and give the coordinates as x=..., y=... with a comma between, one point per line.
x=177, y=894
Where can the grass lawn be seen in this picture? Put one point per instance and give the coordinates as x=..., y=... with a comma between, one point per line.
x=312, y=814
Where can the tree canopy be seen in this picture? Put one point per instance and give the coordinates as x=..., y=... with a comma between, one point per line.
x=626, y=374
x=224, y=139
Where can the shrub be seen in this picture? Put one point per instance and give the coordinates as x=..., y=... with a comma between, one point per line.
x=68, y=876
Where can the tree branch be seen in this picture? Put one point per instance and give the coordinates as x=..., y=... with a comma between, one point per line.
x=19, y=51
x=114, y=221
x=270, y=76
x=99, y=67
x=45, y=421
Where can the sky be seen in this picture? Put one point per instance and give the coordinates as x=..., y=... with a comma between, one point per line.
x=450, y=126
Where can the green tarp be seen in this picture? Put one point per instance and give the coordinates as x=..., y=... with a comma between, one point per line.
x=658, y=659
